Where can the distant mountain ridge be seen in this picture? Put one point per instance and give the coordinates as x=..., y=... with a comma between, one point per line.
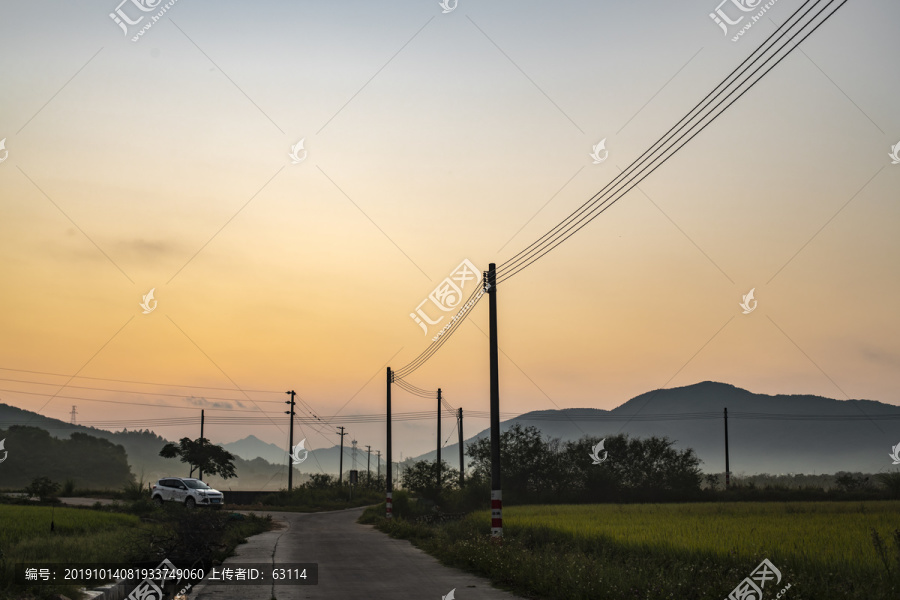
x=761, y=443
x=845, y=440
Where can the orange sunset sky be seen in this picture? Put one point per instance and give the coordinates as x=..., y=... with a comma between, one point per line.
x=434, y=138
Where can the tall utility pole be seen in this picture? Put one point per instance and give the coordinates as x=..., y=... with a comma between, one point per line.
x=202, y=419
x=341, y=467
x=74, y=412
x=368, y=462
x=439, y=442
x=727, y=465
x=378, y=462
x=291, y=393
x=490, y=279
x=389, y=491
x=462, y=464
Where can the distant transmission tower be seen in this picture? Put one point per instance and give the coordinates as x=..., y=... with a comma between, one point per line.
x=74, y=412
x=353, y=454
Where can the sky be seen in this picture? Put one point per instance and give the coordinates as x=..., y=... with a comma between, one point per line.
x=430, y=138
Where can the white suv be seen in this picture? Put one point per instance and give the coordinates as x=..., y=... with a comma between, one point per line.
x=190, y=492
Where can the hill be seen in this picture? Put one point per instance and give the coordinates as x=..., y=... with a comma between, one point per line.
x=142, y=449
x=86, y=460
x=767, y=434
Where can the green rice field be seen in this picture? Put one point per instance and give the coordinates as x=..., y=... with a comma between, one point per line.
x=701, y=551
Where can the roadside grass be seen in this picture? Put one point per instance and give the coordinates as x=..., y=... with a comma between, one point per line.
x=664, y=551
x=113, y=536
x=79, y=536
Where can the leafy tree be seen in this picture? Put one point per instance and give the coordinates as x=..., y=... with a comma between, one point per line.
x=891, y=482
x=847, y=482
x=320, y=481
x=420, y=478
x=653, y=465
x=541, y=469
x=42, y=487
x=530, y=464
x=200, y=454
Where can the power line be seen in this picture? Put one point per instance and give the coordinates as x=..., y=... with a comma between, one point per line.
x=610, y=194
x=594, y=207
x=81, y=387
x=136, y=382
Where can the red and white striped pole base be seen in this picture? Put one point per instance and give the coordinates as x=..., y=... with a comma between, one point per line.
x=496, y=513
x=389, y=502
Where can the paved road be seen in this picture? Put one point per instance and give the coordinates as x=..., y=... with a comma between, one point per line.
x=356, y=562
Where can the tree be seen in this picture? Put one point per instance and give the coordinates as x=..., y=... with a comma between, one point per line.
x=538, y=469
x=320, y=481
x=42, y=487
x=530, y=464
x=650, y=465
x=420, y=478
x=200, y=454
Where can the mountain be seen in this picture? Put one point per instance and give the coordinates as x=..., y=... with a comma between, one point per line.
x=840, y=438
x=142, y=452
x=252, y=447
x=319, y=460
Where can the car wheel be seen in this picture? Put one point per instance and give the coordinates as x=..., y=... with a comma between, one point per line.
x=157, y=500
x=190, y=503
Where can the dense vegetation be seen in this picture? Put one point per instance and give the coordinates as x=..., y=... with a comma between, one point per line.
x=651, y=551
x=124, y=534
x=86, y=460
x=323, y=492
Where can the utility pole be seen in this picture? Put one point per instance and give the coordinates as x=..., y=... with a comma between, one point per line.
x=439, y=441
x=389, y=491
x=74, y=412
x=291, y=393
x=368, y=462
x=202, y=419
x=490, y=284
x=462, y=464
x=378, y=462
x=341, y=467
x=727, y=465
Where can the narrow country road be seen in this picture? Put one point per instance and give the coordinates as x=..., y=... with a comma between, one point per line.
x=356, y=562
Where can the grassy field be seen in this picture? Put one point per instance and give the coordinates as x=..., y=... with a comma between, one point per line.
x=82, y=535
x=825, y=550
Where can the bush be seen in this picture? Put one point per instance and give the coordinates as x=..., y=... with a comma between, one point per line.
x=421, y=479
x=43, y=488
x=891, y=482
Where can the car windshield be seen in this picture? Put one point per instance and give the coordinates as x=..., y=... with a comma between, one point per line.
x=196, y=484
